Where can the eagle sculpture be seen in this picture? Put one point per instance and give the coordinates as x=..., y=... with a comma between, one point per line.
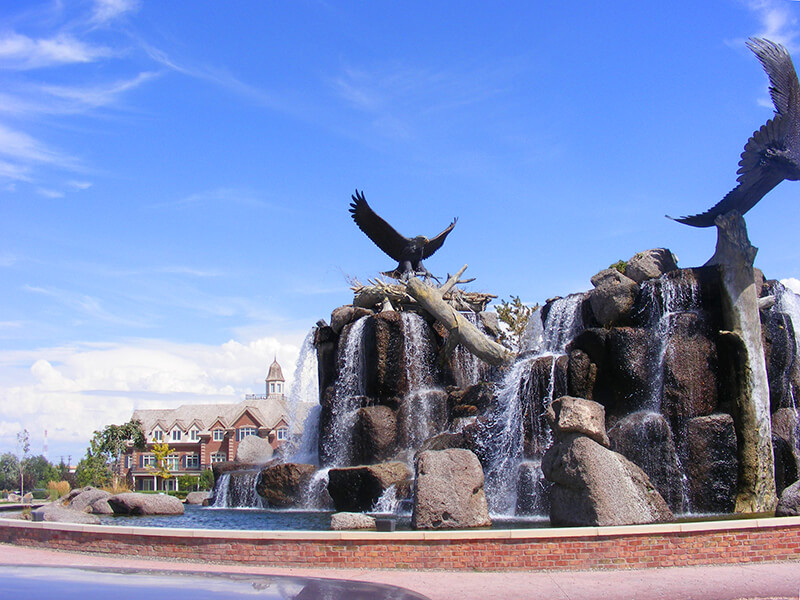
x=772, y=154
x=408, y=252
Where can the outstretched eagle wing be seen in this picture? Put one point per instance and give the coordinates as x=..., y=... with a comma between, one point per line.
x=379, y=231
x=775, y=59
x=434, y=244
x=756, y=175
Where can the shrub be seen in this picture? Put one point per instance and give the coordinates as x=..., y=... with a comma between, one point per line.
x=40, y=494
x=57, y=489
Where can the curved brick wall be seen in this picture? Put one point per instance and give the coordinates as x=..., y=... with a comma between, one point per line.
x=721, y=542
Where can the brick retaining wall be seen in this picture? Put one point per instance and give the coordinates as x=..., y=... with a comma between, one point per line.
x=646, y=546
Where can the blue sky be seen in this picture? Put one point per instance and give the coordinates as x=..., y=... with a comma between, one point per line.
x=175, y=176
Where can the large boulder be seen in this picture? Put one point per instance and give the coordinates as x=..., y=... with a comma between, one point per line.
x=253, y=450
x=784, y=425
x=568, y=415
x=789, y=503
x=357, y=489
x=613, y=297
x=284, y=485
x=785, y=464
x=351, y=520
x=132, y=503
x=197, y=498
x=581, y=374
x=594, y=486
x=650, y=264
x=546, y=379
x=449, y=491
x=645, y=438
x=60, y=514
x=384, y=354
x=712, y=465
x=85, y=498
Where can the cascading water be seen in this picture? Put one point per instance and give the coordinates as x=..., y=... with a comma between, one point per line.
x=348, y=391
x=667, y=298
x=418, y=414
x=467, y=366
x=519, y=394
x=237, y=489
x=303, y=404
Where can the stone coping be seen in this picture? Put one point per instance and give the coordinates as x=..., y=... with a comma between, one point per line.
x=544, y=533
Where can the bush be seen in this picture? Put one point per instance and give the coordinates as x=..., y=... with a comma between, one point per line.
x=57, y=489
x=206, y=480
x=40, y=494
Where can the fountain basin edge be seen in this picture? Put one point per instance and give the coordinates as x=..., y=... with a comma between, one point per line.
x=774, y=539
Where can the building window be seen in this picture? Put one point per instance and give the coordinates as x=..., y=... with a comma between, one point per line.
x=218, y=457
x=243, y=432
x=193, y=434
x=192, y=461
x=158, y=435
x=147, y=460
x=271, y=388
x=172, y=462
x=283, y=433
x=219, y=435
x=176, y=435
x=128, y=461
x=144, y=485
x=279, y=388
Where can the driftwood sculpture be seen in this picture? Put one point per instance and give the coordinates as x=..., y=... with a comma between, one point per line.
x=772, y=153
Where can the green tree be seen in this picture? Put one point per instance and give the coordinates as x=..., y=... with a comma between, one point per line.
x=93, y=470
x=112, y=441
x=9, y=471
x=39, y=471
x=514, y=315
x=206, y=480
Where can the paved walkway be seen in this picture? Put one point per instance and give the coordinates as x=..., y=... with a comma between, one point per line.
x=762, y=581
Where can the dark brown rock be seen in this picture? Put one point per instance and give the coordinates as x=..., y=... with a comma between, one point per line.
x=789, y=503
x=785, y=464
x=645, y=438
x=594, y=486
x=344, y=315
x=421, y=415
x=449, y=491
x=385, y=370
x=690, y=370
x=376, y=434
x=581, y=375
x=284, y=485
x=535, y=391
x=631, y=353
x=356, y=489
x=712, y=465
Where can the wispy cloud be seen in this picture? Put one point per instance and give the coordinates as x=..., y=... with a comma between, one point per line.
x=20, y=52
x=23, y=148
x=242, y=197
x=87, y=306
x=109, y=10
x=778, y=21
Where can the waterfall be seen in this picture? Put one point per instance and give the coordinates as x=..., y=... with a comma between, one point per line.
x=237, y=489
x=419, y=409
x=315, y=496
x=523, y=392
x=467, y=366
x=788, y=303
x=666, y=298
x=387, y=503
x=303, y=404
x=348, y=390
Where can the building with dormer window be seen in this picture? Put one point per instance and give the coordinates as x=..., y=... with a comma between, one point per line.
x=203, y=434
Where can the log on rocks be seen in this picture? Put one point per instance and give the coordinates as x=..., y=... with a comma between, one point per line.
x=734, y=258
x=459, y=329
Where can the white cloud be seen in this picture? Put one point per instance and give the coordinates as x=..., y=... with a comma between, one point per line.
x=777, y=20
x=48, y=193
x=79, y=185
x=22, y=147
x=108, y=10
x=72, y=391
x=20, y=52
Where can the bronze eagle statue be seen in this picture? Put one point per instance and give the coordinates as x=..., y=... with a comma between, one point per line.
x=408, y=252
x=772, y=153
